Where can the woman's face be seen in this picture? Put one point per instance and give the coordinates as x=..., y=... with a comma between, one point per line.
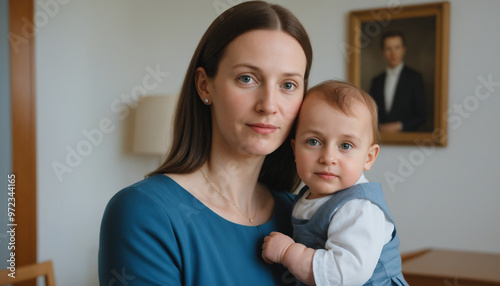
x=257, y=92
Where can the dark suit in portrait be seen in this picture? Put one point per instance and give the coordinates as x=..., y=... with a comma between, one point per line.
x=408, y=105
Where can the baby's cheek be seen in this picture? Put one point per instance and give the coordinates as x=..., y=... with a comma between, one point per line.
x=301, y=169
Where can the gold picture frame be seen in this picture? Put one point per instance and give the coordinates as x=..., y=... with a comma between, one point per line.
x=426, y=29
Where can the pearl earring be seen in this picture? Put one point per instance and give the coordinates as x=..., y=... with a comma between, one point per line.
x=206, y=100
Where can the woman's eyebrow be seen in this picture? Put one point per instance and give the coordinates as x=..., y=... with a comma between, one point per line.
x=257, y=69
x=294, y=74
x=245, y=65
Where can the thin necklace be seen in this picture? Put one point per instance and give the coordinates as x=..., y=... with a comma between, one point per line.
x=250, y=219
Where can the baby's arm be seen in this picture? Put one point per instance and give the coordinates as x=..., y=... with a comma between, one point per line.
x=280, y=248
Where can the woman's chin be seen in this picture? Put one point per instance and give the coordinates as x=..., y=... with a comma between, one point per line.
x=258, y=150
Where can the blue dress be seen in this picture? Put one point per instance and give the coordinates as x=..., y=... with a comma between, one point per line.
x=156, y=233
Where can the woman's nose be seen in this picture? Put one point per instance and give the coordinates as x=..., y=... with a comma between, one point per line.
x=267, y=101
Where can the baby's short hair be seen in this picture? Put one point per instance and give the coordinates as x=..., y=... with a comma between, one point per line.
x=340, y=95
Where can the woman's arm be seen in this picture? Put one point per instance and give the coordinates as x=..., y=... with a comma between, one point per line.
x=137, y=243
x=280, y=248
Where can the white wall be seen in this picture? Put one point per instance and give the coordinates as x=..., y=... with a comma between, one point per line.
x=89, y=53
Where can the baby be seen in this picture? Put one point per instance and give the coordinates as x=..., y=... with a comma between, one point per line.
x=343, y=231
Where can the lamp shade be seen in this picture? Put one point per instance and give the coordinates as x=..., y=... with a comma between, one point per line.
x=153, y=124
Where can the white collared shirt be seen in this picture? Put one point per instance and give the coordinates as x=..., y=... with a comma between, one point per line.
x=391, y=81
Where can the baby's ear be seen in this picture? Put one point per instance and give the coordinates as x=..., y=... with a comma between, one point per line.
x=371, y=156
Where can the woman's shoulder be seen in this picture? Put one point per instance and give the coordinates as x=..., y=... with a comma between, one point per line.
x=136, y=228
x=157, y=192
x=157, y=187
x=155, y=184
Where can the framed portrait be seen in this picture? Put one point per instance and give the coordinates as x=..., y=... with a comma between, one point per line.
x=399, y=55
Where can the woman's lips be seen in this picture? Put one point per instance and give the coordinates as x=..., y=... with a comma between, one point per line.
x=263, y=128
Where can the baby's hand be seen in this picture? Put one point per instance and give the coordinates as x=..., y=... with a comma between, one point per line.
x=275, y=246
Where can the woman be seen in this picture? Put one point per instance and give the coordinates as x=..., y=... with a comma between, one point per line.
x=200, y=218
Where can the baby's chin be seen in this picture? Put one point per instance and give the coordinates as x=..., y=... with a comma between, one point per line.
x=316, y=194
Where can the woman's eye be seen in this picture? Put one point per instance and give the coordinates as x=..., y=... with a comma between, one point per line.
x=245, y=79
x=345, y=146
x=312, y=142
x=289, y=86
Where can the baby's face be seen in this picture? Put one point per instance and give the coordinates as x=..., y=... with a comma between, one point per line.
x=332, y=149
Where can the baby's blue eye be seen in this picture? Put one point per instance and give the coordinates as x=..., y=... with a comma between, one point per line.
x=312, y=142
x=245, y=79
x=345, y=146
